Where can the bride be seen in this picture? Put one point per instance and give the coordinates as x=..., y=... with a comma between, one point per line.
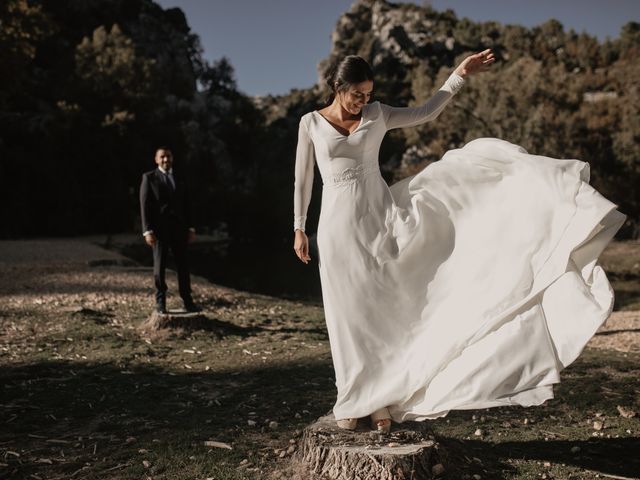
x=469, y=285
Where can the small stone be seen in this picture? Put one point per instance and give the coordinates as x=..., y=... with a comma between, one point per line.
x=244, y=462
x=273, y=424
x=626, y=412
x=283, y=454
x=477, y=477
x=291, y=449
x=478, y=433
x=598, y=425
x=575, y=449
x=251, y=423
x=547, y=464
x=393, y=444
x=437, y=469
x=526, y=421
x=146, y=463
x=130, y=440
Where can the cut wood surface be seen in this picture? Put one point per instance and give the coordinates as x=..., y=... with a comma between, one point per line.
x=409, y=451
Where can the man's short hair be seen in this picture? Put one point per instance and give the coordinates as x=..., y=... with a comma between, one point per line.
x=163, y=147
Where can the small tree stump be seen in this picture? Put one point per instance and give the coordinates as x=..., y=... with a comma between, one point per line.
x=409, y=451
x=189, y=321
x=159, y=325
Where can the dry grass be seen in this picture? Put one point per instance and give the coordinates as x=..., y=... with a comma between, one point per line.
x=86, y=395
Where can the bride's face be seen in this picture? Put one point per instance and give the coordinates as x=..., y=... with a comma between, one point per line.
x=356, y=96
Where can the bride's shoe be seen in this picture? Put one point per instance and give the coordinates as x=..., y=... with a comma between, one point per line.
x=381, y=420
x=347, y=423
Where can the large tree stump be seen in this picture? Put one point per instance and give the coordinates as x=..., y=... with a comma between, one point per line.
x=409, y=451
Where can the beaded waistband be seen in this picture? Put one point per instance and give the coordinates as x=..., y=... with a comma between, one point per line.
x=349, y=175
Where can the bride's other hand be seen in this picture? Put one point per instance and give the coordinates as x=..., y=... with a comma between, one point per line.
x=476, y=63
x=301, y=246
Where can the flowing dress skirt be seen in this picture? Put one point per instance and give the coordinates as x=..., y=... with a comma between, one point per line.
x=471, y=284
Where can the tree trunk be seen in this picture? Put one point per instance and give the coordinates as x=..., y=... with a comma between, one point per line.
x=409, y=451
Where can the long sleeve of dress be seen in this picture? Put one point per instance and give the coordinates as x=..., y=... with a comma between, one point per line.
x=397, y=117
x=303, y=183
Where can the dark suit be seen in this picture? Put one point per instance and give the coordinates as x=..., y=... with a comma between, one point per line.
x=166, y=212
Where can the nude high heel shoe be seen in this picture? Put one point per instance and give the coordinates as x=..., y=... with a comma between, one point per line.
x=347, y=423
x=381, y=420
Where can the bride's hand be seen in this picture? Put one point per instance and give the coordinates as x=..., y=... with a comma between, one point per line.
x=301, y=246
x=476, y=63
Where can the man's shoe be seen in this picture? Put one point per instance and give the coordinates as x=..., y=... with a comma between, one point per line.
x=161, y=307
x=191, y=307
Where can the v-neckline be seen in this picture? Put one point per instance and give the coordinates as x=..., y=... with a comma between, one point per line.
x=339, y=132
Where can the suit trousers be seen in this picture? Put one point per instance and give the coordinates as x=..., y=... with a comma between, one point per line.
x=176, y=241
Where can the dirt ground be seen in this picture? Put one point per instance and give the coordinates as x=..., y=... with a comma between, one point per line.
x=86, y=395
x=59, y=273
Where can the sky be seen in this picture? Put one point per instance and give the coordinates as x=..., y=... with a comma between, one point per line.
x=275, y=45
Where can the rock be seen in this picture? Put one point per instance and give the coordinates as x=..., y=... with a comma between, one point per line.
x=273, y=424
x=478, y=433
x=598, y=425
x=626, y=412
x=437, y=469
x=146, y=463
x=575, y=449
x=251, y=423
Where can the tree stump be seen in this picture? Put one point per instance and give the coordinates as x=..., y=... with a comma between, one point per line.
x=177, y=319
x=409, y=451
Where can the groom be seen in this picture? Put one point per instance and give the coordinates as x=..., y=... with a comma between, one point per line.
x=166, y=223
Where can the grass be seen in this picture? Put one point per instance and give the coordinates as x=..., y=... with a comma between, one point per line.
x=85, y=395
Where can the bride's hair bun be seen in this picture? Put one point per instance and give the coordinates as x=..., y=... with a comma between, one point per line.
x=350, y=70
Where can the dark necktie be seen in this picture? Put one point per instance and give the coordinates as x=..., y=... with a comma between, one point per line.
x=170, y=183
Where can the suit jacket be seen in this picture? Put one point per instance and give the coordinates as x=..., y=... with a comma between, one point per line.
x=163, y=210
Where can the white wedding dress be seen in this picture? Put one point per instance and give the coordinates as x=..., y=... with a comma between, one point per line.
x=471, y=284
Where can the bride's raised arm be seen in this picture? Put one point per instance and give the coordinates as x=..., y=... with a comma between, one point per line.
x=397, y=117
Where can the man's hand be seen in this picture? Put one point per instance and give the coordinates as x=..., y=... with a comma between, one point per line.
x=150, y=238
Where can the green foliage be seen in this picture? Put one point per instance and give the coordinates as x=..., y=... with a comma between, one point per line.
x=96, y=85
x=557, y=93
